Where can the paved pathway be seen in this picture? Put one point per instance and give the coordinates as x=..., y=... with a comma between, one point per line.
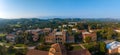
x=79, y=45
x=82, y=46
x=32, y=47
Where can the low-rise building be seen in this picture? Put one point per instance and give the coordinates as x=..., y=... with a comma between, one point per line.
x=64, y=25
x=35, y=37
x=117, y=30
x=74, y=30
x=92, y=35
x=113, y=47
x=59, y=37
x=72, y=23
x=47, y=30
x=10, y=37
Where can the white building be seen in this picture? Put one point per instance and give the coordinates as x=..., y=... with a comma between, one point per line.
x=113, y=47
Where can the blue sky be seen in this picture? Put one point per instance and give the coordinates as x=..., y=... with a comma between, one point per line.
x=60, y=8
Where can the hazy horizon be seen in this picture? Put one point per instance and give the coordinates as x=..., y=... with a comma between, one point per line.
x=59, y=8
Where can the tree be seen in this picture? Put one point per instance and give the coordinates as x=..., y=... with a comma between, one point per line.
x=68, y=47
x=3, y=50
x=11, y=49
x=25, y=35
x=77, y=36
x=41, y=38
x=106, y=33
x=19, y=40
x=118, y=36
x=42, y=47
x=102, y=48
x=21, y=51
x=87, y=39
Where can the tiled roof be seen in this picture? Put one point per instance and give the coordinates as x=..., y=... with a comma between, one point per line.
x=59, y=50
x=79, y=52
x=89, y=34
x=10, y=35
x=37, y=52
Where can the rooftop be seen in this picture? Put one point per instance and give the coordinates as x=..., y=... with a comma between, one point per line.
x=58, y=33
x=37, y=52
x=117, y=30
x=79, y=52
x=86, y=33
x=113, y=45
x=58, y=49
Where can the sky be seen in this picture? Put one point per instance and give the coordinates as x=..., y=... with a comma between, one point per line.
x=60, y=8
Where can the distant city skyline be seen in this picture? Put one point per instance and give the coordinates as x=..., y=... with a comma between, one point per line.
x=60, y=8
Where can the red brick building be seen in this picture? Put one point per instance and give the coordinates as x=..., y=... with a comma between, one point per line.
x=92, y=35
x=59, y=37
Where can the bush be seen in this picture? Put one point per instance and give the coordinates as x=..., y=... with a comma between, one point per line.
x=68, y=47
x=43, y=47
x=20, y=45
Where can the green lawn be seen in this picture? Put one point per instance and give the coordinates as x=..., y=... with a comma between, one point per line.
x=16, y=25
x=8, y=44
x=1, y=34
x=12, y=53
x=76, y=48
x=20, y=45
x=89, y=45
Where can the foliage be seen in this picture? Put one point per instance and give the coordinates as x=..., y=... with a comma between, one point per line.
x=3, y=50
x=106, y=34
x=87, y=39
x=2, y=35
x=77, y=36
x=102, y=48
x=11, y=50
x=42, y=47
x=20, y=45
x=68, y=46
x=76, y=48
x=21, y=52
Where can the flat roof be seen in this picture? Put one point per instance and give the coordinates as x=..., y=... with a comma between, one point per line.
x=85, y=32
x=113, y=45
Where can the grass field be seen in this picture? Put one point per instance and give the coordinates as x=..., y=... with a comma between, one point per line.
x=1, y=34
x=77, y=47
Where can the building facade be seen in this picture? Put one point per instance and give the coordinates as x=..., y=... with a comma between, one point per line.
x=92, y=35
x=113, y=47
x=59, y=37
